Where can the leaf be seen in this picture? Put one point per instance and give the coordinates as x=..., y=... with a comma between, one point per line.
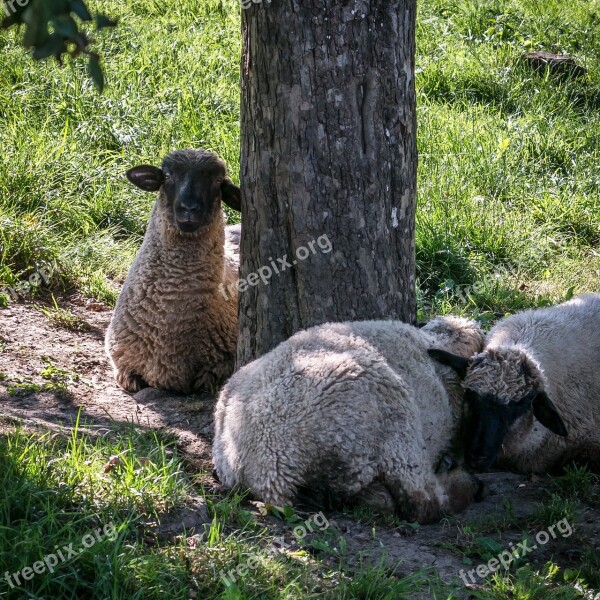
x=570, y=574
x=289, y=513
x=66, y=26
x=570, y=293
x=503, y=144
x=13, y=19
x=80, y=9
x=36, y=32
x=489, y=544
x=95, y=72
x=55, y=46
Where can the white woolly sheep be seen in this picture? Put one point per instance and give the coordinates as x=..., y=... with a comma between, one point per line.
x=356, y=410
x=172, y=328
x=534, y=392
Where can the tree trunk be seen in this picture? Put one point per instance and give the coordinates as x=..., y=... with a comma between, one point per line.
x=328, y=157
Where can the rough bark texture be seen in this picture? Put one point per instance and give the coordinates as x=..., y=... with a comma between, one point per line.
x=328, y=148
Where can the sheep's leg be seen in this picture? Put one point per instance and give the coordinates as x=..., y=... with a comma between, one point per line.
x=417, y=502
x=419, y=493
x=208, y=378
x=129, y=380
x=447, y=463
x=377, y=496
x=415, y=489
x=424, y=497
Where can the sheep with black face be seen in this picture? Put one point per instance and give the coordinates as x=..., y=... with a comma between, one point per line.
x=171, y=328
x=533, y=394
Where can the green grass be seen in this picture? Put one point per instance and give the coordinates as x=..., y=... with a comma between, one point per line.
x=62, y=317
x=507, y=219
x=508, y=184
x=54, y=491
x=65, y=205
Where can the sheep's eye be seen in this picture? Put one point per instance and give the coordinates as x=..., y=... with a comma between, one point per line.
x=168, y=177
x=218, y=181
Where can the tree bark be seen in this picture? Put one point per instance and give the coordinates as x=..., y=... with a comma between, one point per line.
x=328, y=149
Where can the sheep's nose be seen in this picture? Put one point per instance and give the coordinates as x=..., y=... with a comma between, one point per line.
x=188, y=207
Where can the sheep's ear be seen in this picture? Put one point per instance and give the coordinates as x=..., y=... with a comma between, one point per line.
x=458, y=363
x=231, y=194
x=146, y=177
x=545, y=412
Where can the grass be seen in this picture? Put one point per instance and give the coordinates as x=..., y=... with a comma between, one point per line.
x=507, y=219
x=508, y=182
x=58, y=490
x=508, y=185
x=62, y=317
x=55, y=492
x=49, y=379
x=102, y=495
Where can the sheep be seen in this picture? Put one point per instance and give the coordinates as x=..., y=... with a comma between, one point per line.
x=357, y=410
x=172, y=328
x=534, y=391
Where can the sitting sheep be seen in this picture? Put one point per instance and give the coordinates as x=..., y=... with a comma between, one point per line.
x=172, y=328
x=355, y=409
x=534, y=392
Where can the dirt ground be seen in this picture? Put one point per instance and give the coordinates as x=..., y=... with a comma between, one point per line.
x=30, y=341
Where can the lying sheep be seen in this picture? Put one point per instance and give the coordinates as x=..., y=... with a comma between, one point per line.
x=171, y=327
x=534, y=393
x=357, y=409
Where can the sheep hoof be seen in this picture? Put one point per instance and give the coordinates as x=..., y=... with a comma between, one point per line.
x=446, y=464
x=130, y=381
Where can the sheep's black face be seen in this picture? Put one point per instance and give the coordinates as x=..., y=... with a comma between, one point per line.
x=193, y=184
x=193, y=196
x=488, y=424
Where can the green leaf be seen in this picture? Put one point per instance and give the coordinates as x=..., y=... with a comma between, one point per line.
x=66, y=26
x=80, y=9
x=289, y=512
x=36, y=32
x=55, y=46
x=489, y=544
x=95, y=71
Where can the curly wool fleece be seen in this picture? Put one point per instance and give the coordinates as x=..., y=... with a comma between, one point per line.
x=356, y=408
x=507, y=373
